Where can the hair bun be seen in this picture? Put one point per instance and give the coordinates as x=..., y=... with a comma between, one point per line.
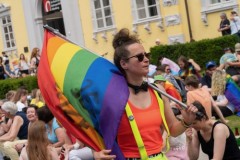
x=123, y=37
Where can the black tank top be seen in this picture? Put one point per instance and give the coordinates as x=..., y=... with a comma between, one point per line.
x=232, y=151
x=23, y=131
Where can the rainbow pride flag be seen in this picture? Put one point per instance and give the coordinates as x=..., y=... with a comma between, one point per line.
x=232, y=93
x=86, y=93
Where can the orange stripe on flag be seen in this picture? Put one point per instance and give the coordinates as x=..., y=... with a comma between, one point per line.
x=55, y=43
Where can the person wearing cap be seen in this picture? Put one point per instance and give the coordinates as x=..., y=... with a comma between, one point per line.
x=169, y=87
x=207, y=78
x=226, y=59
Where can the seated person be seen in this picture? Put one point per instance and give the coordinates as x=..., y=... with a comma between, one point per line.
x=216, y=139
x=218, y=89
x=207, y=78
x=38, y=146
x=201, y=94
x=5, y=123
x=56, y=134
x=170, y=89
x=18, y=130
x=31, y=112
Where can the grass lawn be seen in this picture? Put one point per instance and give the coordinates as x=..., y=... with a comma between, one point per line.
x=234, y=122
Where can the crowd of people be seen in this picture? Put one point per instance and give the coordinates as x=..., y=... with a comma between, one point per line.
x=29, y=130
x=21, y=67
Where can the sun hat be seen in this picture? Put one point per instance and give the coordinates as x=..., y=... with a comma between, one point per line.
x=159, y=78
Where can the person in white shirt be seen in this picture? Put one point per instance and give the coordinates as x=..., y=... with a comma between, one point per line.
x=23, y=65
x=20, y=98
x=234, y=23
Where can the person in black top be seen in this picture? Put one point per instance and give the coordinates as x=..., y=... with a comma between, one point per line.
x=224, y=26
x=207, y=78
x=216, y=139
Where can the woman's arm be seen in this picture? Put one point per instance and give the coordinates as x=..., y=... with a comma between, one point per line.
x=220, y=134
x=175, y=127
x=192, y=143
x=223, y=102
x=195, y=65
x=12, y=133
x=6, y=126
x=53, y=152
x=218, y=111
x=60, y=136
x=23, y=155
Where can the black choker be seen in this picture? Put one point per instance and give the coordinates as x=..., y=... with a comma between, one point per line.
x=143, y=87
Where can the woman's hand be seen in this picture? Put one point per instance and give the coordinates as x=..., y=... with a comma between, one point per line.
x=19, y=147
x=189, y=114
x=103, y=154
x=189, y=134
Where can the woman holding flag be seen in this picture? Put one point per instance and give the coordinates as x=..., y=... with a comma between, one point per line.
x=139, y=134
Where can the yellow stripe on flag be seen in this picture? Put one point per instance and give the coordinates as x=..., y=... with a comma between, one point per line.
x=61, y=60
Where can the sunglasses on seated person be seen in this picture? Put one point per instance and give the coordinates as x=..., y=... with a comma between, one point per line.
x=140, y=56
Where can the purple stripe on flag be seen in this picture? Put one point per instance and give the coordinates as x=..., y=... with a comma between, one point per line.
x=115, y=100
x=232, y=93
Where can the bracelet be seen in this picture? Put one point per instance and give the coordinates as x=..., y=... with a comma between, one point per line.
x=185, y=124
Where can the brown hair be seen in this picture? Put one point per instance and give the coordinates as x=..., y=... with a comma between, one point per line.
x=20, y=92
x=34, y=52
x=38, y=142
x=192, y=81
x=202, y=110
x=10, y=95
x=120, y=43
x=162, y=67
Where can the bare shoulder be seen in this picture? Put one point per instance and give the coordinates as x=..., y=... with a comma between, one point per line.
x=221, y=130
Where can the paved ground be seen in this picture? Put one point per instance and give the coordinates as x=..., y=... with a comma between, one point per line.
x=202, y=156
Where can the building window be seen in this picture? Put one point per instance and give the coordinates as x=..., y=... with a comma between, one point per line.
x=217, y=1
x=7, y=30
x=145, y=10
x=102, y=15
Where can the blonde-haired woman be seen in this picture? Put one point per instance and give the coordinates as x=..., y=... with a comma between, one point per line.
x=38, y=101
x=34, y=60
x=38, y=146
x=218, y=89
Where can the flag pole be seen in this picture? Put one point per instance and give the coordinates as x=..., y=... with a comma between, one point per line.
x=182, y=105
x=56, y=32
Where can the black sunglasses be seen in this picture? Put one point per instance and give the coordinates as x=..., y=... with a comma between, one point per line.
x=140, y=56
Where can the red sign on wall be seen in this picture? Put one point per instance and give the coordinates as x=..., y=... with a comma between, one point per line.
x=52, y=5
